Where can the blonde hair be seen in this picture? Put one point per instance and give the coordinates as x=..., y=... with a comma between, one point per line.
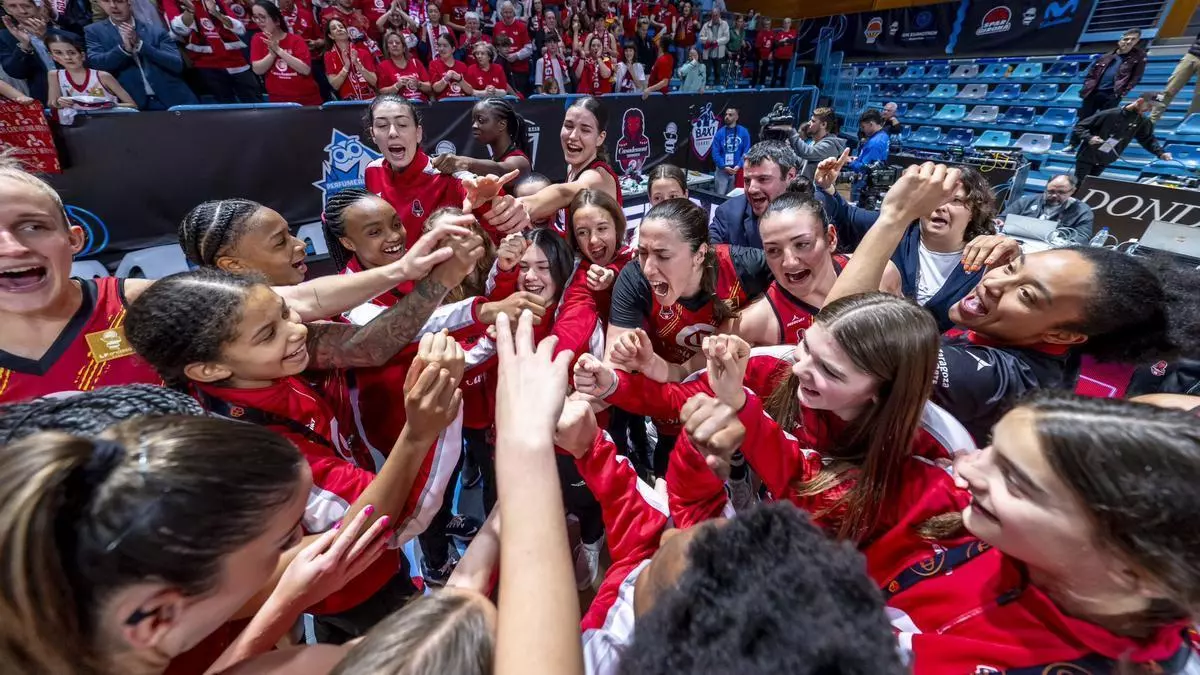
x=12, y=169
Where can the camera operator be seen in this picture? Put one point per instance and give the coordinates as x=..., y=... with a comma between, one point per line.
x=816, y=140
x=941, y=257
x=1057, y=204
x=875, y=149
x=768, y=168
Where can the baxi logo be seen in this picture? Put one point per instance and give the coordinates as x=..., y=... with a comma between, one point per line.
x=874, y=29
x=997, y=20
x=704, y=130
x=1059, y=12
x=347, y=159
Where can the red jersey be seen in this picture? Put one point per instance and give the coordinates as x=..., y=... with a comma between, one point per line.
x=356, y=23
x=664, y=13
x=389, y=74
x=90, y=352
x=764, y=44
x=284, y=84
x=793, y=314
x=677, y=331
x=207, y=41
x=480, y=79
x=686, y=28
x=438, y=69
x=373, y=10
x=520, y=39
x=418, y=191
x=456, y=10
x=302, y=21
x=592, y=81
x=355, y=87
x=785, y=44
x=661, y=71
x=465, y=41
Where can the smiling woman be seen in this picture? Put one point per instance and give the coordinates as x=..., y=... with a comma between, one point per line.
x=239, y=236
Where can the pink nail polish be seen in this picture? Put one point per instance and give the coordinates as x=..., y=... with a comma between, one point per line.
x=369, y=510
x=385, y=520
x=337, y=525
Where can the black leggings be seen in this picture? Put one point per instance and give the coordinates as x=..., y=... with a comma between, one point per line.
x=435, y=543
x=662, y=454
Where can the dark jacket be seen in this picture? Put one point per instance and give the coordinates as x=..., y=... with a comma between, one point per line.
x=1194, y=50
x=1128, y=75
x=1121, y=123
x=735, y=223
x=852, y=224
x=1074, y=215
x=23, y=65
x=159, y=56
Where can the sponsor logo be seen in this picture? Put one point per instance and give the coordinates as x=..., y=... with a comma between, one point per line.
x=346, y=159
x=1159, y=369
x=1142, y=208
x=693, y=336
x=874, y=29
x=985, y=670
x=894, y=28
x=1029, y=16
x=633, y=148
x=535, y=134
x=108, y=344
x=704, y=129
x=207, y=24
x=997, y=20
x=924, y=20
x=237, y=10
x=445, y=147
x=670, y=137
x=93, y=227
x=281, y=65
x=1059, y=13
x=417, y=209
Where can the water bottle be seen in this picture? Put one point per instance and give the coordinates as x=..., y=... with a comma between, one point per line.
x=1100, y=239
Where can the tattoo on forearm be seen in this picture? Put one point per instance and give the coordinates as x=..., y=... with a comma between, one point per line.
x=338, y=345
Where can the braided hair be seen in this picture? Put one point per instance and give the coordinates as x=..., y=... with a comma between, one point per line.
x=333, y=222
x=213, y=227
x=87, y=413
x=517, y=126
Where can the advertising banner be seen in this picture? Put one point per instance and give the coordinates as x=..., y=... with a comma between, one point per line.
x=25, y=133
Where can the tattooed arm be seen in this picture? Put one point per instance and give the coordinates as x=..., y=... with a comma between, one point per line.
x=337, y=345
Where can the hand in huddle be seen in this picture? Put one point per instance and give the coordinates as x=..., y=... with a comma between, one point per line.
x=467, y=250
x=509, y=253
x=531, y=384
x=600, y=278
x=713, y=427
x=989, y=250
x=447, y=163
x=483, y=189
x=508, y=214
x=919, y=192
x=594, y=378
x=632, y=351
x=727, y=356
x=431, y=394
x=430, y=250
x=512, y=307
x=337, y=556
x=576, y=429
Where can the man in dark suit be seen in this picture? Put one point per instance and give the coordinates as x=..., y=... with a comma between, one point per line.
x=23, y=55
x=144, y=58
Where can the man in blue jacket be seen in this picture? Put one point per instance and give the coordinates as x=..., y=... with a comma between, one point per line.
x=875, y=149
x=728, y=149
x=769, y=167
x=144, y=58
x=23, y=54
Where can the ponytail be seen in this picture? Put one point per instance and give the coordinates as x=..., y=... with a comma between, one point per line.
x=691, y=222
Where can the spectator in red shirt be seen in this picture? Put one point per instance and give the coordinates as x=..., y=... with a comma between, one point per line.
x=687, y=25
x=214, y=38
x=664, y=66
x=356, y=24
x=400, y=73
x=662, y=17
x=350, y=66
x=446, y=72
x=785, y=47
x=429, y=32
x=282, y=58
x=594, y=72
x=395, y=19
x=455, y=13
x=764, y=51
x=473, y=35
x=517, y=56
x=486, y=77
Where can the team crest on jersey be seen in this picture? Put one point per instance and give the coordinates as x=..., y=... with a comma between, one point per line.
x=666, y=313
x=704, y=130
x=693, y=336
x=106, y=345
x=986, y=670
x=346, y=160
x=207, y=24
x=281, y=65
x=1159, y=369
x=237, y=412
x=417, y=209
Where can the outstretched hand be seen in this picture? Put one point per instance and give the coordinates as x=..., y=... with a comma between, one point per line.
x=713, y=427
x=576, y=428
x=430, y=250
x=531, y=382
x=482, y=189
x=920, y=191
x=828, y=170
x=337, y=556
x=594, y=378
x=989, y=250
x=632, y=351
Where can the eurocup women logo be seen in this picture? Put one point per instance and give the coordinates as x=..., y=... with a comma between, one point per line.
x=704, y=130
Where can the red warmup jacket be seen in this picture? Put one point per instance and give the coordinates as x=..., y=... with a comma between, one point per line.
x=417, y=191
x=208, y=42
x=90, y=352
x=963, y=607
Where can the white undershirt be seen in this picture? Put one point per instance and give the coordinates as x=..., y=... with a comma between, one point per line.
x=934, y=269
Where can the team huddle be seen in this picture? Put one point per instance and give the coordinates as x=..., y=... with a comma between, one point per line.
x=755, y=460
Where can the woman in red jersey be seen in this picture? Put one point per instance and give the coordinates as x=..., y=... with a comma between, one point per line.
x=400, y=73
x=594, y=71
x=282, y=58
x=349, y=66
x=495, y=123
x=1074, y=550
x=486, y=76
x=447, y=73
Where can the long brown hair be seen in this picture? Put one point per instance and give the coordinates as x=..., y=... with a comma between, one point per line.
x=691, y=222
x=601, y=200
x=896, y=341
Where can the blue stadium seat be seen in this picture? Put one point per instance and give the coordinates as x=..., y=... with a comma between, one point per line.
x=848, y=73
x=1034, y=144
x=890, y=90
x=906, y=132
x=1006, y=92
x=951, y=113
x=1026, y=71
x=1187, y=155
x=926, y=135
x=913, y=73
x=1190, y=126
x=994, y=71
x=1061, y=118
x=1041, y=92
x=917, y=91
x=944, y=91
x=868, y=73
x=1017, y=115
x=967, y=71
x=1071, y=96
x=922, y=111
x=1063, y=69
x=901, y=109
x=938, y=72
x=983, y=114
x=891, y=72
x=974, y=92
x=959, y=136
x=994, y=139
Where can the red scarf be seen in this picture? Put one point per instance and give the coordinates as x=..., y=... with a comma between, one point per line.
x=596, y=76
x=548, y=68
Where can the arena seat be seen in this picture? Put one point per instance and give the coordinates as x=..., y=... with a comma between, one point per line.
x=88, y=269
x=1184, y=157
x=967, y=71
x=1030, y=70
x=891, y=72
x=938, y=71
x=153, y=263
x=944, y=91
x=1041, y=92
x=917, y=91
x=313, y=237
x=913, y=73
x=1018, y=115
x=993, y=138
x=1064, y=69
x=1034, y=144
x=926, y=135
x=951, y=113
x=1190, y=126
x=889, y=90
x=994, y=71
x=983, y=114
x=974, y=92
x=868, y=73
x=1061, y=118
x=1071, y=96
x=1006, y=92
x=906, y=132
x=922, y=111
x=959, y=136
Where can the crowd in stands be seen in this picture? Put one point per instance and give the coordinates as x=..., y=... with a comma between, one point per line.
x=154, y=54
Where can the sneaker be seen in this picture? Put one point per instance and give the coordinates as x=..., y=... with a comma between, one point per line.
x=587, y=564
x=741, y=493
x=463, y=528
x=439, y=576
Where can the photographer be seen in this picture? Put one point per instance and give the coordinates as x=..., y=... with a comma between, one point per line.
x=875, y=149
x=941, y=256
x=817, y=140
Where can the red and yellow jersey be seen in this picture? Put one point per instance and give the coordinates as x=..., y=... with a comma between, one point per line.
x=90, y=352
x=677, y=332
x=795, y=315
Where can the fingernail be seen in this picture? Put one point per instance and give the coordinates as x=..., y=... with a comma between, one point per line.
x=385, y=520
x=370, y=509
x=337, y=525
